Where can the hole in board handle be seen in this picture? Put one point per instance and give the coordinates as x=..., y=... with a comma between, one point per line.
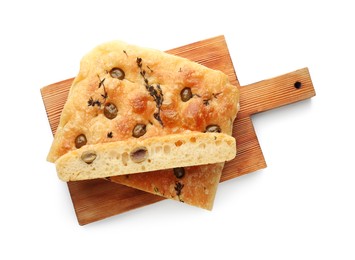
x=297, y=85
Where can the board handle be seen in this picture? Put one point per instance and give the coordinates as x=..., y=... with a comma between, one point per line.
x=275, y=92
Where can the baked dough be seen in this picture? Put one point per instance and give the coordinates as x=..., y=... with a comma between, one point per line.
x=154, y=153
x=124, y=92
x=196, y=185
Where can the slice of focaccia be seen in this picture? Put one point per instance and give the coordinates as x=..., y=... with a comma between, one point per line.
x=125, y=93
x=154, y=153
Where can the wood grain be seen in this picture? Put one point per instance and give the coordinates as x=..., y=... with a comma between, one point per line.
x=275, y=92
x=98, y=199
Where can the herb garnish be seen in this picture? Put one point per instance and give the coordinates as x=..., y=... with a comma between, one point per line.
x=92, y=102
x=104, y=96
x=155, y=91
x=149, y=69
x=101, y=83
x=178, y=187
x=206, y=102
x=97, y=102
x=215, y=95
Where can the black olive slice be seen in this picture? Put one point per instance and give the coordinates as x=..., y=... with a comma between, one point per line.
x=179, y=172
x=186, y=94
x=139, y=130
x=213, y=129
x=139, y=154
x=80, y=141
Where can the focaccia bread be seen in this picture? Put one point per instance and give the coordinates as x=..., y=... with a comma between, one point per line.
x=125, y=92
x=193, y=185
x=155, y=153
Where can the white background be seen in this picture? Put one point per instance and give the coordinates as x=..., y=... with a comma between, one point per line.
x=302, y=206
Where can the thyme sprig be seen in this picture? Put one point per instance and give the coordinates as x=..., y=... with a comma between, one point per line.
x=96, y=102
x=178, y=188
x=92, y=102
x=154, y=90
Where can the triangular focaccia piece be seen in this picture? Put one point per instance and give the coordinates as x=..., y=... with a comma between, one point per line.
x=124, y=92
x=195, y=185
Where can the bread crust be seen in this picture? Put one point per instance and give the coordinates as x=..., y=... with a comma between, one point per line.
x=155, y=153
x=151, y=95
x=214, y=100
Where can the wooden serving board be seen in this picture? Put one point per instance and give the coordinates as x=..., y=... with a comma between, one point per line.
x=98, y=199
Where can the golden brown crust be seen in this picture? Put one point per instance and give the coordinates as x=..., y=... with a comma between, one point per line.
x=214, y=100
x=150, y=95
x=197, y=187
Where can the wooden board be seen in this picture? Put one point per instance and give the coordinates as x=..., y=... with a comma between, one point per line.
x=98, y=199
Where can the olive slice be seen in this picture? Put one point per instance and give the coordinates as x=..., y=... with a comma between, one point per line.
x=213, y=129
x=186, y=94
x=80, y=141
x=88, y=156
x=139, y=154
x=179, y=172
x=139, y=130
x=117, y=73
x=110, y=110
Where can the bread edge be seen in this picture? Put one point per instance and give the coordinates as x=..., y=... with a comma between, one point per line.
x=115, y=158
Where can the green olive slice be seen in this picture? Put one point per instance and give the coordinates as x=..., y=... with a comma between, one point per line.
x=117, y=73
x=110, y=110
x=88, y=156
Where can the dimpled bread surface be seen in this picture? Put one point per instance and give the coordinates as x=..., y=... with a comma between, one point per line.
x=160, y=95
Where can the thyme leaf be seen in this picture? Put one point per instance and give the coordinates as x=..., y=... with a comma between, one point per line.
x=101, y=82
x=149, y=69
x=97, y=102
x=178, y=187
x=92, y=102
